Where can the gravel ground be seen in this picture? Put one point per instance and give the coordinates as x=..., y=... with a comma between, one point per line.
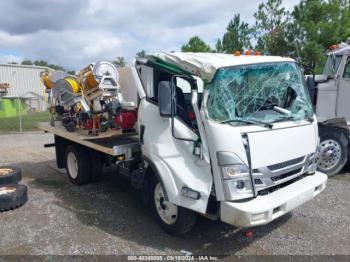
x=108, y=217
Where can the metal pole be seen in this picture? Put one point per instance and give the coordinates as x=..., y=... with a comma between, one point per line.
x=20, y=115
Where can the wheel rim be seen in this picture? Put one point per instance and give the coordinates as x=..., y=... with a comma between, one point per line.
x=6, y=189
x=5, y=171
x=166, y=210
x=329, y=154
x=72, y=165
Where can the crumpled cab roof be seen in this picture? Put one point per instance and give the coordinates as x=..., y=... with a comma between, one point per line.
x=205, y=65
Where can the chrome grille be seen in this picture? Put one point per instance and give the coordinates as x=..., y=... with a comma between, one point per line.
x=276, y=187
x=273, y=176
x=286, y=163
x=285, y=175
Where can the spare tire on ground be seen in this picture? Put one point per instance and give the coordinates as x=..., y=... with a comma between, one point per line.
x=10, y=175
x=12, y=196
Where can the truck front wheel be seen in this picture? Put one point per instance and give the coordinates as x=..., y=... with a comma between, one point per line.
x=332, y=154
x=78, y=165
x=173, y=219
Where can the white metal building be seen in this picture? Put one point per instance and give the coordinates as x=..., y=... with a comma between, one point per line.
x=25, y=83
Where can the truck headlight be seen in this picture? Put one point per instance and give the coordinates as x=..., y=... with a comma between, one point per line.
x=234, y=170
x=239, y=187
x=236, y=179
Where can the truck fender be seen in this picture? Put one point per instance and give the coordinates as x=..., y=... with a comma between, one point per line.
x=173, y=188
x=60, y=149
x=344, y=139
x=163, y=174
x=337, y=125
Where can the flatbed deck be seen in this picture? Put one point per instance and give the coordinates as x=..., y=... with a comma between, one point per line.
x=112, y=143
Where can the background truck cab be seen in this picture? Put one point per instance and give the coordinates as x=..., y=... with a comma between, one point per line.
x=331, y=95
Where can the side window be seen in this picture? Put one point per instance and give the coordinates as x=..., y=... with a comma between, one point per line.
x=346, y=73
x=184, y=85
x=147, y=73
x=150, y=78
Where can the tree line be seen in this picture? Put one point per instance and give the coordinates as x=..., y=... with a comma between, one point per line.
x=304, y=33
x=118, y=62
x=43, y=63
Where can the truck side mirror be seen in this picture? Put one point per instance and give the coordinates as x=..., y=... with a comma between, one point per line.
x=165, y=100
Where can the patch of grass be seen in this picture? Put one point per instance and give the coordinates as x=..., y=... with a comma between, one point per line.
x=29, y=122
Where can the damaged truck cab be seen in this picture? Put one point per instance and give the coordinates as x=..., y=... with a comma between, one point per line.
x=230, y=137
x=330, y=93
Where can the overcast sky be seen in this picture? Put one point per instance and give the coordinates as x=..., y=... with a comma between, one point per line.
x=75, y=33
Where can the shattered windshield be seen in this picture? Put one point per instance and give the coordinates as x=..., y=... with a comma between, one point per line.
x=268, y=92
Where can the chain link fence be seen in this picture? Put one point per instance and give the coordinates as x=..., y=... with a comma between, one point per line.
x=18, y=114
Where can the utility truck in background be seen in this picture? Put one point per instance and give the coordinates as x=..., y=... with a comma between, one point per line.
x=229, y=137
x=330, y=94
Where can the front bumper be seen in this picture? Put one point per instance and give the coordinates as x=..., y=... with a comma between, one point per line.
x=263, y=209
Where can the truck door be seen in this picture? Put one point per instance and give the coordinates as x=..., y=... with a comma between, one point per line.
x=173, y=159
x=343, y=106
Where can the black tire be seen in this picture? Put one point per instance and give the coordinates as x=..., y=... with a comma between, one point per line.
x=332, y=138
x=12, y=196
x=10, y=175
x=82, y=173
x=185, y=219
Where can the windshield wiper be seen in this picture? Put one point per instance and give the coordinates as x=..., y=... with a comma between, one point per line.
x=253, y=122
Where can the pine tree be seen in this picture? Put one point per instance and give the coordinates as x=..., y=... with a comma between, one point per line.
x=237, y=36
x=270, y=28
x=195, y=44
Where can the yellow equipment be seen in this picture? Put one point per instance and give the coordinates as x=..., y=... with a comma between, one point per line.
x=90, y=100
x=46, y=81
x=87, y=79
x=84, y=92
x=72, y=84
x=50, y=77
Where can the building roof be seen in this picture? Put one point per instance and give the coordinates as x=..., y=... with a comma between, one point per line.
x=205, y=65
x=26, y=66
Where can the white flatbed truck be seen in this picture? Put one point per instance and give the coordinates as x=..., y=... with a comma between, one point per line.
x=229, y=137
